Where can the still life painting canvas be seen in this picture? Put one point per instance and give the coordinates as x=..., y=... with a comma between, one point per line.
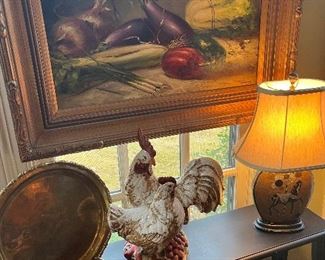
x=108, y=51
x=85, y=74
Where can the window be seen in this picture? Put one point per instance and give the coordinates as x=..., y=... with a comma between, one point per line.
x=173, y=153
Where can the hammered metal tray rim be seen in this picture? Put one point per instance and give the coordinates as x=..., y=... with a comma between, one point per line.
x=46, y=168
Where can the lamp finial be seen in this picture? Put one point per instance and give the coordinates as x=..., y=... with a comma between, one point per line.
x=293, y=78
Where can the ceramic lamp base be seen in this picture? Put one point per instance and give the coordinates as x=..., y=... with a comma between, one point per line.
x=280, y=199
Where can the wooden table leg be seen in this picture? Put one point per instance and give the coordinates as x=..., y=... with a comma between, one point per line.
x=281, y=255
x=318, y=248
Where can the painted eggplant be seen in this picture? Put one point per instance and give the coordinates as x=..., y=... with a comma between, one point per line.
x=168, y=27
x=135, y=31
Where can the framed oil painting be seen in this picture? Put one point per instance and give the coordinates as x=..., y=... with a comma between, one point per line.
x=82, y=74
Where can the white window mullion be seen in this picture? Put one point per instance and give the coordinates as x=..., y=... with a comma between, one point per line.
x=123, y=166
x=118, y=196
x=184, y=149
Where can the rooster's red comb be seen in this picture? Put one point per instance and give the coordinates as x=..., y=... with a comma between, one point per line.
x=145, y=144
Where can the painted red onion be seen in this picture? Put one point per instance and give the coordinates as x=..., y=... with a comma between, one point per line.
x=183, y=63
x=168, y=26
x=132, y=32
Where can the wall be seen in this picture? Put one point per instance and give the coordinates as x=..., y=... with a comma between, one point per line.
x=311, y=46
x=311, y=64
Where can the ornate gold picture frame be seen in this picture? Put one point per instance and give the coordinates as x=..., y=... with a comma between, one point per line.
x=258, y=44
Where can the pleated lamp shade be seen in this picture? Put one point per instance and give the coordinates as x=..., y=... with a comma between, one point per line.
x=288, y=129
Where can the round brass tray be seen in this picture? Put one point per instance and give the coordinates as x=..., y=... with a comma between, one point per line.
x=56, y=211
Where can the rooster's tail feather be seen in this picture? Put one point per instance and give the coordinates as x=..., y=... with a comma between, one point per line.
x=115, y=215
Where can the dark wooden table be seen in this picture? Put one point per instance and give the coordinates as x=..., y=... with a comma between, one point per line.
x=233, y=236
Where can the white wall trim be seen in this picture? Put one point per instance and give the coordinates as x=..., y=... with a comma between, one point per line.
x=10, y=163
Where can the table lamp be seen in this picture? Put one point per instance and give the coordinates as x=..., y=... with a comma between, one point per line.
x=285, y=141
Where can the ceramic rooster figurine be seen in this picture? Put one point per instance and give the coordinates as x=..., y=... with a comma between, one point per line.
x=160, y=205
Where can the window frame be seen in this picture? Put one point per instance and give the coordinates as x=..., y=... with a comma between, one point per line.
x=184, y=154
x=10, y=164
